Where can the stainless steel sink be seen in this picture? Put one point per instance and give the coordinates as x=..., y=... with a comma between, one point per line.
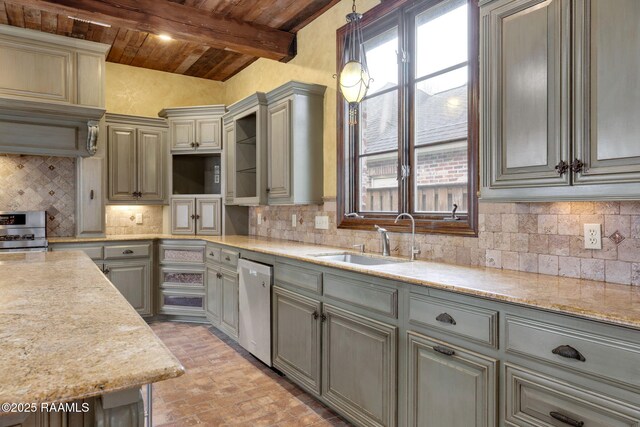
x=351, y=258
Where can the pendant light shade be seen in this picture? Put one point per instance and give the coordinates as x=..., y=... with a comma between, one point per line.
x=354, y=78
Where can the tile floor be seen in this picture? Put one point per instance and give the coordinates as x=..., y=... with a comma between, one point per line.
x=224, y=385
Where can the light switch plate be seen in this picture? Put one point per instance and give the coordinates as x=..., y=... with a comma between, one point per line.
x=294, y=220
x=592, y=236
x=138, y=218
x=322, y=222
x=259, y=218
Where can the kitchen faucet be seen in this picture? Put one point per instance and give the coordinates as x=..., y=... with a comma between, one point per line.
x=414, y=251
x=384, y=240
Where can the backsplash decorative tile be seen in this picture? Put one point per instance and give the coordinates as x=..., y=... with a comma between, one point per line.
x=535, y=237
x=122, y=219
x=40, y=183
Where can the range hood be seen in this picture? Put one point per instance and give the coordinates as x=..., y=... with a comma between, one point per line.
x=51, y=93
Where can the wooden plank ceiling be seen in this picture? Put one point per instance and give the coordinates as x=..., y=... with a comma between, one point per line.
x=192, y=52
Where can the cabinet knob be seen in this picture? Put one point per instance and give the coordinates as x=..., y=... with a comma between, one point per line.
x=562, y=167
x=211, y=254
x=577, y=166
x=219, y=275
x=315, y=314
x=268, y=190
x=227, y=258
x=565, y=419
x=197, y=216
x=193, y=216
x=568, y=352
x=444, y=350
x=197, y=144
x=446, y=318
x=106, y=271
x=323, y=317
x=193, y=144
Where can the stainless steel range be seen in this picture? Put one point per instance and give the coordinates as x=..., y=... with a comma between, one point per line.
x=23, y=231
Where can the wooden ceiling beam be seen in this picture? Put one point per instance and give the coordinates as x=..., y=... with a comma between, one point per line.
x=180, y=22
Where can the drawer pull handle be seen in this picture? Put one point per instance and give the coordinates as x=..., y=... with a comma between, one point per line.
x=568, y=352
x=443, y=350
x=106, y=271
x=91, y=194
x=315, y=314
x=127, y=252
x=211, y=254
x=227, y=258
x=567, y=420
x=446, y=318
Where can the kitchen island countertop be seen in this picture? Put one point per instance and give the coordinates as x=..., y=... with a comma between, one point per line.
x=68, y=334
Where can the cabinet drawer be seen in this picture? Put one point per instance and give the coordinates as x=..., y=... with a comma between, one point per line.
x=172, y=302
x=171, y=254
x=126, y=251
x=472, y=323
x=536, y=400
x=299, y=277
x=370, y=296
x=213, y=254
x=599, y=355
x=229, y=258
x=93, y=252
x=186, y=278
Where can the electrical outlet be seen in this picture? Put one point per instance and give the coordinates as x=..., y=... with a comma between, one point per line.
x=138, y=218
x=322, y=222
x=294, y=220
x=592, y=236
x=259, y=218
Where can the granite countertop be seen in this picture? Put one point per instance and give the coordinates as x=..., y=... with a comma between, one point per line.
x=607, y=302
x=67, y=333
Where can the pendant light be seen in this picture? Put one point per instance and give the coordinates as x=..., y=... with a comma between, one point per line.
x=354, y=78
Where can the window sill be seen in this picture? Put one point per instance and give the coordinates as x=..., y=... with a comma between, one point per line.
x=461, y=227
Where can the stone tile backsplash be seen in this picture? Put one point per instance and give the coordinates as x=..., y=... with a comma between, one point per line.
x=122, y=219
x=535, y=237
x=40, y=183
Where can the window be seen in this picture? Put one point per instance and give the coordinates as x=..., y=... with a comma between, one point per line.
x=415, y=146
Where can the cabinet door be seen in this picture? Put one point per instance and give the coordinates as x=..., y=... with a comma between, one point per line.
x=182, y=135
x=208, y=212
x=229, y=163
x=123, y=180
x=607, y=92
x=183, y=216
x=296, y=337
x=449, y=386
x=208, y=134
x=151, y=160
x=213, y=301
x=526, y=92
x=229, y=312
x=133, y=281
x=279, y=151
x=359, y=367
x=90, y=209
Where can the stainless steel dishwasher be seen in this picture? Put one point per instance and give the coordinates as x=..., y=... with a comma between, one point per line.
x=254, y=330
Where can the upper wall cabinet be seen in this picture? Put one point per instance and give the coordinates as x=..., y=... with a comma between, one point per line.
x=294, y=144
x=51, y=93
x=137, y=158
x=560, y=142
x=246, y=151
x=195, y=129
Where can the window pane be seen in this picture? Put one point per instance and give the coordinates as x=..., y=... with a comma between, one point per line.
x=441, y=37
x=379, y=123
x=441, y=108
x=382, y=60
x=379, y=183
x=441, y=177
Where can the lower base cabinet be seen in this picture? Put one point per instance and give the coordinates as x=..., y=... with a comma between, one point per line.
x=359, y=366
x=533, y=399
x=213, y=303
x=449, y=386
x=133, y=280
x=229, y=304
x=297, y=331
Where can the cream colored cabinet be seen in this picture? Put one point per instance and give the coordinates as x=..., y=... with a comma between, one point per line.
x=559, y=100
x=196, y=215
x=229, y=312
x=213, y=303
x=195, y=129
x=137, y=158
x=294, y=141
x=246, y=151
